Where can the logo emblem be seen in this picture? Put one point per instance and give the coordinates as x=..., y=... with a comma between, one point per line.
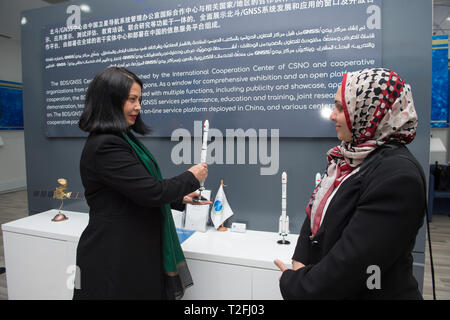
x=218, y=207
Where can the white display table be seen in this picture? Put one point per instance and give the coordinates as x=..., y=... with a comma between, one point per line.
x=230, y=265
x=40, y=255
x=40, y=260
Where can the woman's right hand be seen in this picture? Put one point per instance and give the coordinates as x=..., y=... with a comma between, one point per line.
x=200, y=171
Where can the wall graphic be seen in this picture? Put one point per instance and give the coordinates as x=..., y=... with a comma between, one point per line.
x=273, y=64
x=439, y=91
x=11, y=108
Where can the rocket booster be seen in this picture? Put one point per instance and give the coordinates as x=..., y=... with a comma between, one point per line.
x=318, y=178
x=283, y=229
x=204, y=150
x=205, y=141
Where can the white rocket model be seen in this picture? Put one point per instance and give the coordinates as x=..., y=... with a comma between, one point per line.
x=203, y=154
x=283, y=226
x=204, y=142
x=318, y=178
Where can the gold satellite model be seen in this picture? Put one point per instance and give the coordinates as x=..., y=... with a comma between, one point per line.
x=61, y=195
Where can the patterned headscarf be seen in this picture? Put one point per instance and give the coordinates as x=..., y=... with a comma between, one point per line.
x=378, y=108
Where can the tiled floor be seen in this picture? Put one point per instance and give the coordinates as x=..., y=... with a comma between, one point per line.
x=14, y=206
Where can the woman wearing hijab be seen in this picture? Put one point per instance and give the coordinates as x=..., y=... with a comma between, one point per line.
x=130, y=248
x=363, y=217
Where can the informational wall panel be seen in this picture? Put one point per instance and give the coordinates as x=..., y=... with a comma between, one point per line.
x=273, y=64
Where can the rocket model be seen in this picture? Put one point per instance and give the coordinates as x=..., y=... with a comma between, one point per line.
x=204, y=142
x=203, y=154
x=283, y=226
x=318, y=178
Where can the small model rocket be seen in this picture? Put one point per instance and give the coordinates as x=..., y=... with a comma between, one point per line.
x=203, y=154
x=205, y=141
x=283, y=226
x=318, y=178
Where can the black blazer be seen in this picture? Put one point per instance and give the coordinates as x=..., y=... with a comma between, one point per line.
x=119, y=252
x=373, y=219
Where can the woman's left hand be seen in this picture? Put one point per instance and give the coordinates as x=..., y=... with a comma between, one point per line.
x=189, y=199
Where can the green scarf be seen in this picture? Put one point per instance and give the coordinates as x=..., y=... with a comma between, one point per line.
x=174, y=262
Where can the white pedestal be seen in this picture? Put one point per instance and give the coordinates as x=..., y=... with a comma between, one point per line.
x=40, y=255
x=229, y=265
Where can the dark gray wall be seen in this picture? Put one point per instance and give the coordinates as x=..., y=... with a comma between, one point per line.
x=255, y=199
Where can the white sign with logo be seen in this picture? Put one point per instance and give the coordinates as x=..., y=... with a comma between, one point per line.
x=197, y=216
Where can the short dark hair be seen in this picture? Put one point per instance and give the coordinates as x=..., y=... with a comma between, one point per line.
x=105, y=98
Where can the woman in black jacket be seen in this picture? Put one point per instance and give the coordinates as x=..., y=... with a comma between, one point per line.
x=364, y=215
x=130, y=248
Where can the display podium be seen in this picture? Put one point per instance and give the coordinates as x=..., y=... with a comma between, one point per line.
x=231, y=265
x=40, y=257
